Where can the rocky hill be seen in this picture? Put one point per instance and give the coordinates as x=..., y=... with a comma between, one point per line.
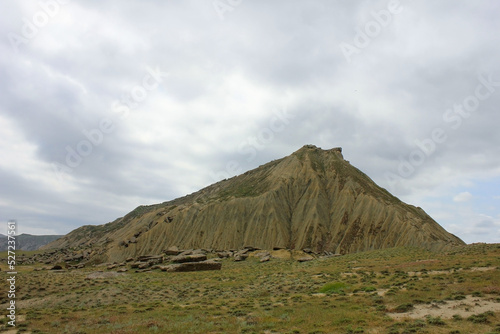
x=28, y=242
x=311, y=199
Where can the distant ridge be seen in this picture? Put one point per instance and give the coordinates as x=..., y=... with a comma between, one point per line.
x=311, y=199
x=28, y=242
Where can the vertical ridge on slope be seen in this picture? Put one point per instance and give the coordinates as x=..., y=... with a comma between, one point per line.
x=310, y=199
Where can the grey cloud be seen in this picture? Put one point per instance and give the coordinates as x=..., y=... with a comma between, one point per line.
x=394, y=92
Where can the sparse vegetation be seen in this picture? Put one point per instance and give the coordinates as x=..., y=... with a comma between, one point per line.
x=336, y=287
x=349, y=294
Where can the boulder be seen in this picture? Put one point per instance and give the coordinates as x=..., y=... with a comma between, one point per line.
x=265, y=258
x=144, y=258
x=224, y=255
x=305, y=258
x=189, y=258
x=186, y=252
x=136, y=264
x=261, y=254
x=56, y=267
x=172, y=251
x=144, y=265
x=240, y=257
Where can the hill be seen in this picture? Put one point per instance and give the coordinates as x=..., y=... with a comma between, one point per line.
x=311, y=199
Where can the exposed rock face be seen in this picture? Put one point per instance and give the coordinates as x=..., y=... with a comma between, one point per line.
x=312, y=199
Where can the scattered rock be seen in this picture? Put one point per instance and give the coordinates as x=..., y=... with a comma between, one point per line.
x=186, y=252
x=240, y=257
x=261, y=254
x=136, y=264
x=143, y=258
x=265, y=258
x=224, y=255
x=189, y=258
x=144, y=265
x=305, y=258
x=172, y=251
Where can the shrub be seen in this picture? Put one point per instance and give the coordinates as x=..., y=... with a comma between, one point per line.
x=480, y=318
x=435, y=321
x=404, y=308
x=335, y=287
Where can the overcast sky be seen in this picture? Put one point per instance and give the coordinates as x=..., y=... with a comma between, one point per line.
x=106, y=105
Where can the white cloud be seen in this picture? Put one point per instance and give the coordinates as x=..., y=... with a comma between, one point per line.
x=463, y=197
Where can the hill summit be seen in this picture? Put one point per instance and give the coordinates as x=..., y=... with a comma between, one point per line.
x=311, y=199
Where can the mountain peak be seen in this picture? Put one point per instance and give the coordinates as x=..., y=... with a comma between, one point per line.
x=313, y=148
x=310, y=199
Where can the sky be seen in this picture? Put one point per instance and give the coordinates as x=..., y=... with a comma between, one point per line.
x=106, y=105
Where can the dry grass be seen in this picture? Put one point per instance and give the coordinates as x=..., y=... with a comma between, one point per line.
x=280, y=296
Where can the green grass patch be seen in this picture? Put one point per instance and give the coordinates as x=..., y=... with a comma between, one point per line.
x=335, y=287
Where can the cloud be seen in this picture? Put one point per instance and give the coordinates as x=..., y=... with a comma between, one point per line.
x=226, y=79
x=463, y=197
x=487, y=227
